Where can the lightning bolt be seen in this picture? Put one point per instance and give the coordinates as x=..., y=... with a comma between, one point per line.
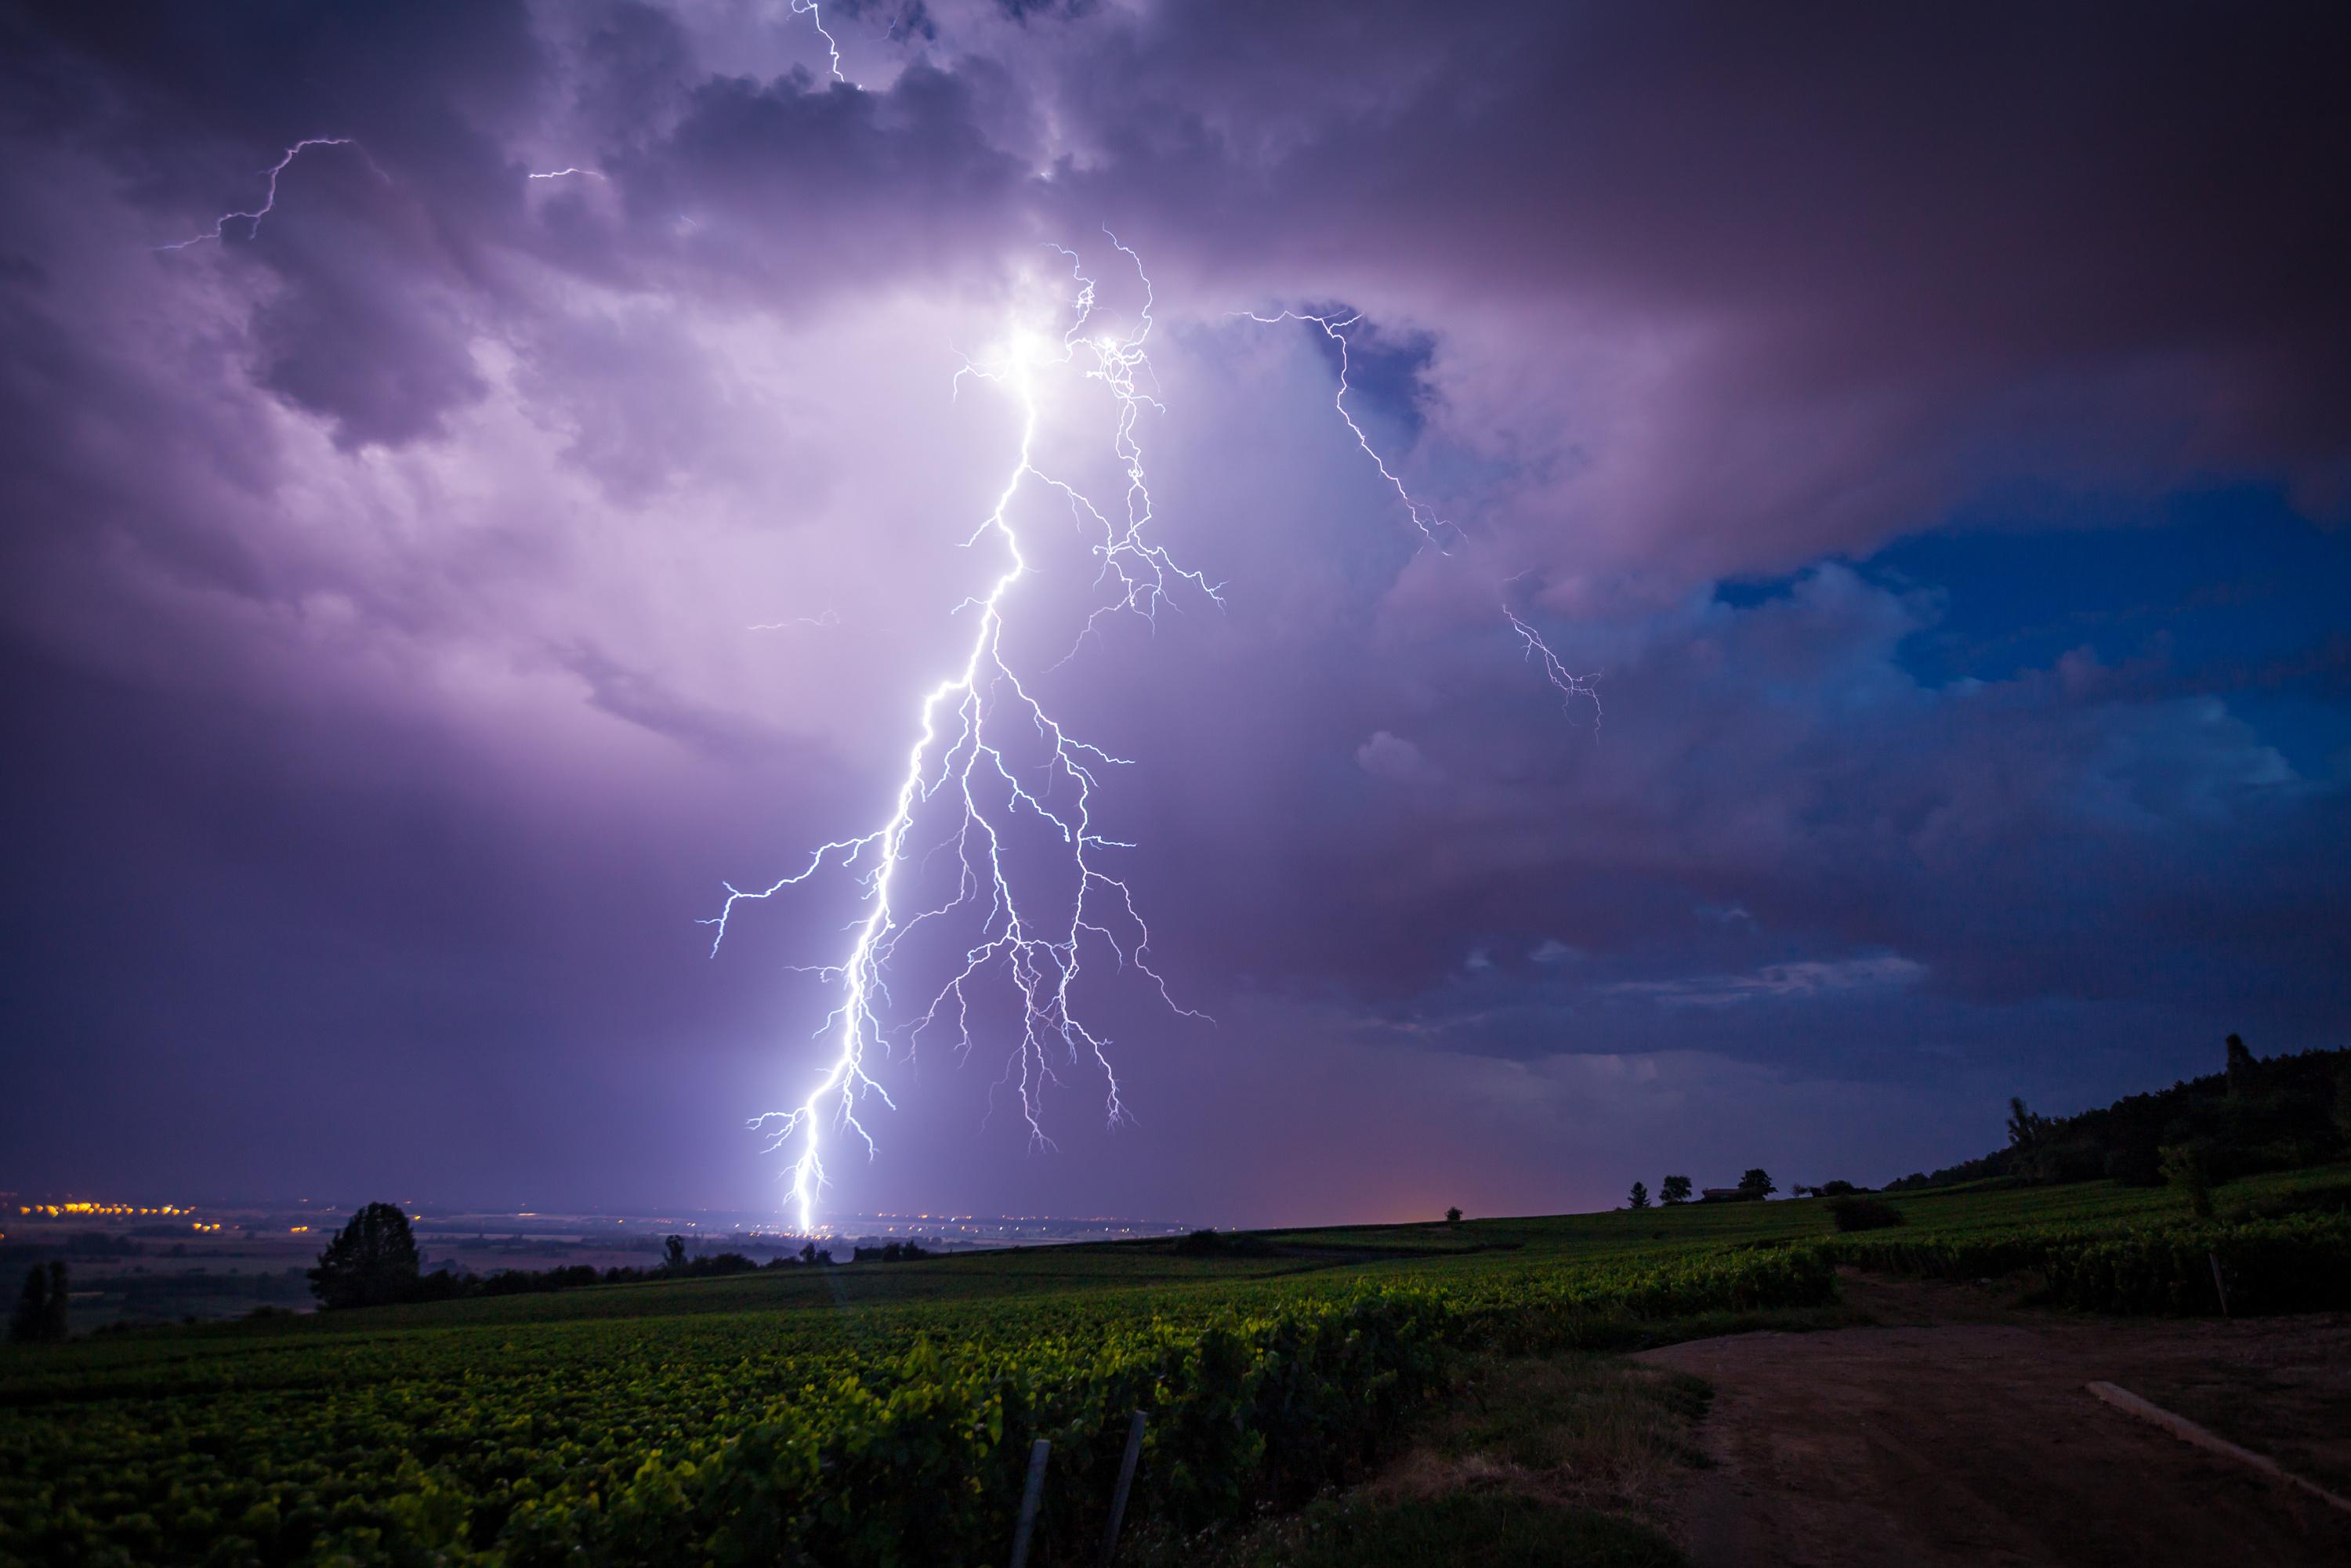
x=1433, y=528
x=559, y=173
x=1570, y=686
x=988, y=754
x=269, y=199
x=813, y=11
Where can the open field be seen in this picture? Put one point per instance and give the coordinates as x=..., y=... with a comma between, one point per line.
x=881, y=1412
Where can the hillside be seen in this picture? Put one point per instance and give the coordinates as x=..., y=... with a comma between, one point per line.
x=2273, y=1114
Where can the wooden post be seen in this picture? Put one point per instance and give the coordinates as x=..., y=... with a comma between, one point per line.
x=1125, y=1481
x=2219, y=1284
x=1030, y=1496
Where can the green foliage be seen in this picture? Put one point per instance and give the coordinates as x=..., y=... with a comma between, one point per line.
x=373, y=1261
x=2300, y=1263
x=894, y=1436
x=869, y=1414
x=2185, y=1169
x=1675, y=1189
x=1756, y=1184
x=1856, y=1213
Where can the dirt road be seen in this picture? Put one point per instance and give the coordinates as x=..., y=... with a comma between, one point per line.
x=1959, y=1433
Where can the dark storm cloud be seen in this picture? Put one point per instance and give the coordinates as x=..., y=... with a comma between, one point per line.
x=381, y=581
x=1868, y=253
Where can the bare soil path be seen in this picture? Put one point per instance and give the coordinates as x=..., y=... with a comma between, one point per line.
x=1959, y=1432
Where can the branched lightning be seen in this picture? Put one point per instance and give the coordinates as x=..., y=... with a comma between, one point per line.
x=1434, y=528
x=270, y=198
x=1570, y=685
x=966, y=758
x=561, y=173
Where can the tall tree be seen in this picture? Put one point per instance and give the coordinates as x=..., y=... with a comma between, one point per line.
x=673, y=1253
x=30, y=1320
x=1675, y=1189
x=372, y=1262
x=1640, y=1196
x=2240, y=1067
x=53, y=1324
x=1757, y=1184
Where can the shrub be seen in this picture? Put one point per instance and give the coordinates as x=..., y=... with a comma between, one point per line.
x=2186, y=1168
x=1852, y=1213
x=2136, y=1165
x=2300, y=1263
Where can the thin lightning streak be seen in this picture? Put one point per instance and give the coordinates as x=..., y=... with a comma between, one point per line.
x=830, y=619
x=966, y=757
x=1570, y=686
x=559, y=173
x=1434, y=528
x=269, y=201
x=812, y=10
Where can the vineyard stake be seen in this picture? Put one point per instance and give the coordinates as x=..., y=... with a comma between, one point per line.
x=1029, y=1496
x=2218, y=1284
x=1125, y=1481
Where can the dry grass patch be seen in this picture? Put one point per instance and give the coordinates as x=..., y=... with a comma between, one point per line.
x=1587, y=1431
x=1567, y=1461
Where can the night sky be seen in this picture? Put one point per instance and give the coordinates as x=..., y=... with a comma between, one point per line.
x=1930, y=426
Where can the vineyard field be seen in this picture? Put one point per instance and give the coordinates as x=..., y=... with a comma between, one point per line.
x=881, y=1413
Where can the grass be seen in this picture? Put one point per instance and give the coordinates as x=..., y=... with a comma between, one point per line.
x=1563, y=1459
x=1465, y=1529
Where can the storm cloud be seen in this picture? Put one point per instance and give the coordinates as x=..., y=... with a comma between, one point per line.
x=1928, y=429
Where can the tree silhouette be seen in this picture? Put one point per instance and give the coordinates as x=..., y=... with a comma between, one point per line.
x=673, y=1253
x=1452, y=1217
x=372, y=1262
x=2240, y=1067
x=1675, y=1189
x=59, y=1300
x=40, y=1311
x=1640, y=1196
x=1757, y=1184
x=2025, y=1127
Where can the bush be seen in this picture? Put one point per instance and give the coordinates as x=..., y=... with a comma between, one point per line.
x=1221, y=1244
x=1864, y=1214
x=2188, y=1166
x=2298, y=1264
x=2333, y=1198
